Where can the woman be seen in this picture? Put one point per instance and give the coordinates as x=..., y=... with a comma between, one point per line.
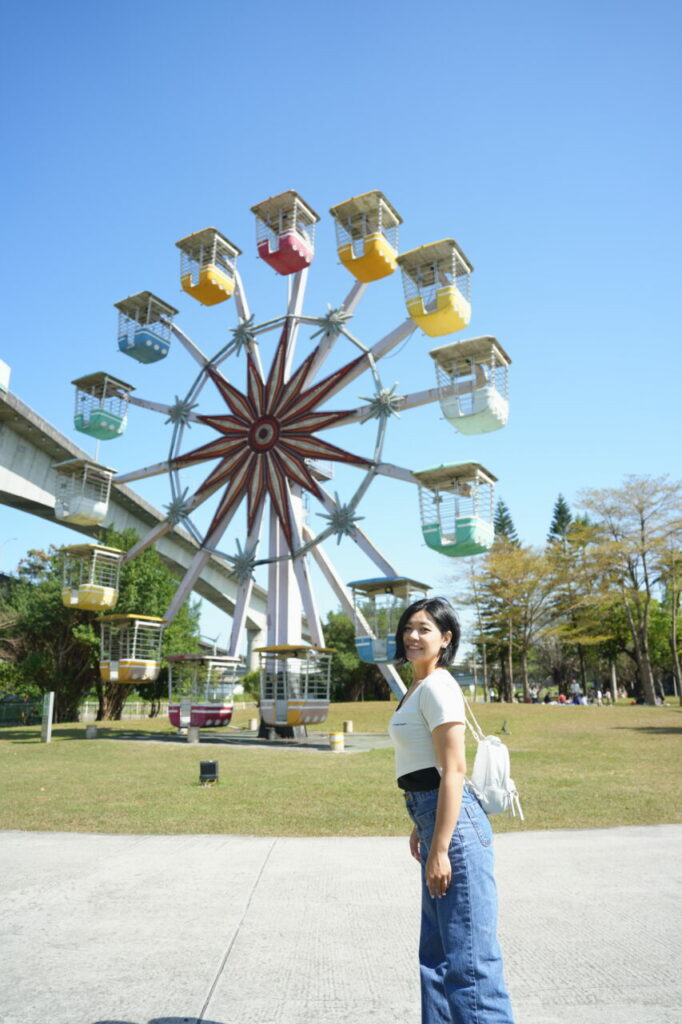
x=459, y=957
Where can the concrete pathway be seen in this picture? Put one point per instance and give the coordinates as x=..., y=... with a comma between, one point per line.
x=98, y=929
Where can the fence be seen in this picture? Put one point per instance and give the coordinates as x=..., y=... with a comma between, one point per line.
x=21, y=712
x=139, y=709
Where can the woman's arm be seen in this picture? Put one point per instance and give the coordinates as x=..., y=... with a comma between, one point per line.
x=448, y=739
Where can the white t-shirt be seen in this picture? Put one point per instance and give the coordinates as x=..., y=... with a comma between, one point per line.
x=437, y=699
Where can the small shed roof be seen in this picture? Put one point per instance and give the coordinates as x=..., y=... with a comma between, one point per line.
x=86, y=549
x=225, y=659
x=92, y=383
x=460, y=352
x=367, y=206
x=130, y=618
x=191, y=243
x=427, y=261
x=387, y=584
x=71, y=464
x=282, y=203
x=460, y=472
x=145, y=308
x=294, y=650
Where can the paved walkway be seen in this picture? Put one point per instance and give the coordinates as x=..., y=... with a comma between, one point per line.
x=99, y=929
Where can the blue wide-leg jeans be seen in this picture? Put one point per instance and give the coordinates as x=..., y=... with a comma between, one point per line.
x=460, y=961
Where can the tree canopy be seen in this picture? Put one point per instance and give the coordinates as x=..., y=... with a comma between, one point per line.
x=46, y=646
x=602, y=598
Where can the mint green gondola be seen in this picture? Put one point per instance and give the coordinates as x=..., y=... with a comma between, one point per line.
x=456, y=508
x=101, y=405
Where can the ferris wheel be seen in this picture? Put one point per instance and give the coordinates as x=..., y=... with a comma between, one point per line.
x=267, y=458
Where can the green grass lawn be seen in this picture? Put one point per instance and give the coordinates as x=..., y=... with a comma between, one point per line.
x=575, y=767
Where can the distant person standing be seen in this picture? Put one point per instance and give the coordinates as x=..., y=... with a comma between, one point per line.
x=460, y=961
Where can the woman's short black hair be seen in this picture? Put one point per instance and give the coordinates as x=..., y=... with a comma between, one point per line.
x=445, y=617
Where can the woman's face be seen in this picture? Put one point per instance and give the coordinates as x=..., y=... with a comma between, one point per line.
x=423, y=640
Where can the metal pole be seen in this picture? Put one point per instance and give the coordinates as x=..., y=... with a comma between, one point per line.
x=48, y=712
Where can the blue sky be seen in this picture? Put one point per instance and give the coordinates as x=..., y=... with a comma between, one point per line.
x=543, y=137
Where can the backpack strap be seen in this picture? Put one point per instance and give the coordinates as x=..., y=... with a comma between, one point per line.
x=471, y=722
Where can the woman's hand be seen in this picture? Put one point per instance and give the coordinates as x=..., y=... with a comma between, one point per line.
x=414, y=845
x=438, y=873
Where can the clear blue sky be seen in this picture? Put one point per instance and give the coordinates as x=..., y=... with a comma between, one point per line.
x=543, y=137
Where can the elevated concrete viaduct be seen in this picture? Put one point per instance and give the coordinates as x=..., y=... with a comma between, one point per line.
x=29, y=448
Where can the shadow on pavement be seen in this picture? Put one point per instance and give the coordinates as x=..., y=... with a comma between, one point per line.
x=161, y=1020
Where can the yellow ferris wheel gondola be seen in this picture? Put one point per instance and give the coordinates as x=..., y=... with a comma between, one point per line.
x=208, y=266
x=367, y=235
x=90, y=576
x=294, y=683
x=437, y=282
x=130, y=648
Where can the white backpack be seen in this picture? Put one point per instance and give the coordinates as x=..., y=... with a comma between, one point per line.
x=490, y=778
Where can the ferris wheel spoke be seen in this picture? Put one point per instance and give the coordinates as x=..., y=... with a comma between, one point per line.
x=159, y=531
x=397, y=473
x=187, y=343
x=278, y=488
x=378, y=351
x=336, y=583
x=293, y=386
x=360, y=538
x=296, y=404
x=245, y=590
x=352, y=300
x=348, y=306
x=166, y=410
x=195, y=569
x=398, y=404
x=231, y=499
x=241, y=302
x=295, y=467
x=295, y=305
x=223, y=447
x=141, y=474
x=238, y=403
x=228, y=467
x=256, y=386
x=256, y=491
x=276, y=377
x=300, y=569
x=314, y=421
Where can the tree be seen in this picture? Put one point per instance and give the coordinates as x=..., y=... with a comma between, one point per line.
x=636, y=522
x=352, y=678
x=147, y=588
x=670, y=569
x=561, y=520
x=504, y=524
x=577, y=624
x=52, y=647
x=514, y=587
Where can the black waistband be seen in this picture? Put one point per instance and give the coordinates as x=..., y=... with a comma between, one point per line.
x=420, y=781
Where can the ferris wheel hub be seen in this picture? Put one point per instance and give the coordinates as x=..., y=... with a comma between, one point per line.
x=264, y=434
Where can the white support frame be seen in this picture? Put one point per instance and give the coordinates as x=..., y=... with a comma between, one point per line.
x=362, y=540
x=349, y=305
x=300, y=569
x=243, y=596
x=334, y=580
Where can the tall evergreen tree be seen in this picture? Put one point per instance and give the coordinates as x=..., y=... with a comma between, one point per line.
x=504, y=524
x=561, y=520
